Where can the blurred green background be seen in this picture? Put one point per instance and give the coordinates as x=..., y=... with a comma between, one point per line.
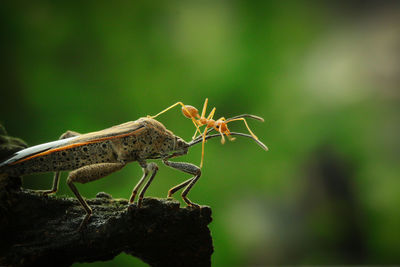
x=324, y=75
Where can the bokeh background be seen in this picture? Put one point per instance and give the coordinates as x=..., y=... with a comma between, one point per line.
x=325, y=76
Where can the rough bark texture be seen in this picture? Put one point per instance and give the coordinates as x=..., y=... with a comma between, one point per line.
x=42, y=230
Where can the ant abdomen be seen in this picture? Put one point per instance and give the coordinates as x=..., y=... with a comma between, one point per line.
x=190, y=111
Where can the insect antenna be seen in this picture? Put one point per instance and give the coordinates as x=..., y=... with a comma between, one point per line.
x=245, y=116
x=240, y=116
x=199, y=139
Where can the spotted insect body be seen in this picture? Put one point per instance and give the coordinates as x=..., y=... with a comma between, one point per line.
x=151, y=140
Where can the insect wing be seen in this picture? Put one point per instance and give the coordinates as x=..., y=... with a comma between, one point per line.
x=125, y=129
x=35, y=150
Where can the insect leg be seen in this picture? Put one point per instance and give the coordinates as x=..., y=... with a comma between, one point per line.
x=87, y=174
x=222, y=136
x=179, y=186
x=174, y=105
x=188, y=168
x=146, y=169
x=56, y=178
x=211, y=115
x=247, y=126
x=203, y=113
x=137, y=186
x=154, y=168
x=197, y=128
x=54, y=189
x=227, y=132
x=168, y=108
x=202, y=146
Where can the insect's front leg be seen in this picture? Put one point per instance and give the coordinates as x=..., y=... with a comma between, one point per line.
x=188, y=168
x=56, y=178
x=87, y=174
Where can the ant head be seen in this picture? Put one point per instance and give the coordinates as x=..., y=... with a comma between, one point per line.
x=220, y=126
x=190, y=111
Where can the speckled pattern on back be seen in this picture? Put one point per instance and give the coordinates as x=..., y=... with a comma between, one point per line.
x=137, y=140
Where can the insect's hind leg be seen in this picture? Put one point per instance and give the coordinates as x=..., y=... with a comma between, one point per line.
x=87, y=174
x=56, y=178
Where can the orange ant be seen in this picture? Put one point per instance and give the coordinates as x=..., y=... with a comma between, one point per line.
x=219, y=125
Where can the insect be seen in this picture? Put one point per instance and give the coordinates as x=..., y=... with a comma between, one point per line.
x=219, y=125
x=94, y=155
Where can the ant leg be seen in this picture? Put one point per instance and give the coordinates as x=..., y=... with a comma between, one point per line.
x=202, y=146
x=222, y=135
x=174, y=105
x=247, y=126
x=227, y=133
x=165, y=110
x=56, y=178
x=203, y=112
x=197, y=128
x=211, y=114
x=220, y=131
x=230, y=137
x=204, y=136
x=188, y=168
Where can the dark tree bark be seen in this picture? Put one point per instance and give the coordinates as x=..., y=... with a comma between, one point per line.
x=42, y=230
